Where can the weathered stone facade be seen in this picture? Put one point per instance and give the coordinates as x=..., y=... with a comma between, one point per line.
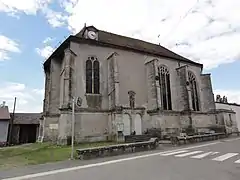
x=121, y=70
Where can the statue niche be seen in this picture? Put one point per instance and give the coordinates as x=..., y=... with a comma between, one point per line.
x=131, y=95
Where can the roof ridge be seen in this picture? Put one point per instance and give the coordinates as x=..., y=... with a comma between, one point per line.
x=145, y=42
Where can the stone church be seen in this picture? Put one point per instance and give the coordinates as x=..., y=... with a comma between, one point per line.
x=126, y=85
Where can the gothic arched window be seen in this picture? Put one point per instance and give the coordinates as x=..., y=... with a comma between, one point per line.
x=92, y=76
x=165, y=87
x=194, y=92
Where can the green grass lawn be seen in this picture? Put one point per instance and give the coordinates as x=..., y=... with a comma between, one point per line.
x=38, y=153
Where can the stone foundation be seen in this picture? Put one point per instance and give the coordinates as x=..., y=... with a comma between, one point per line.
x=105, y=126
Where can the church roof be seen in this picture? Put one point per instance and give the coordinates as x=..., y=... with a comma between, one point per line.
x=123, y=42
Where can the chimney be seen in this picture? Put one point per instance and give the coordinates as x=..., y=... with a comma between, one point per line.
x=4, y=103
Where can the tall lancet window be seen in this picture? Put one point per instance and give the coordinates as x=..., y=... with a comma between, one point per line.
x=165, y=87
x=194, y=92
x=92, y=76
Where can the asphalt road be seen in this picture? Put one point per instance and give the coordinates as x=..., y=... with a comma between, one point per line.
x=209, y=161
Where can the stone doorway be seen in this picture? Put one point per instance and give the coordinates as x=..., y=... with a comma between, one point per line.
x=126, y=125
x=138, y=124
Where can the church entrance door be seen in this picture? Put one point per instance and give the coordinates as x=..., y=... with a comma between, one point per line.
x=126, y=127
x=138, y=124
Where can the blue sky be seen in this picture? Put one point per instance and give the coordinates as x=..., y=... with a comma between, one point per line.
x=31, y=29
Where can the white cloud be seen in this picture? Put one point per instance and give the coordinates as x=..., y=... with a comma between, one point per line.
x=32, y=7
x=7, y=46
x=68, y=5
x=232, y=95
x=47, y=40
x=47, y=48
x=196, y=29
x=28, y=99
x=23, y=6
x=55, y=19
x=45, y=52
x=207, y=31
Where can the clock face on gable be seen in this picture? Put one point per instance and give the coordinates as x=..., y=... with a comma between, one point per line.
x=92, y=35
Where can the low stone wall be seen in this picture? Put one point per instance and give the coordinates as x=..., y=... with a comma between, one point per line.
x=137, y=138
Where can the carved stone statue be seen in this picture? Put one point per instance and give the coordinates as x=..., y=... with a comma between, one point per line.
x=224, y=99
x=218, y=98
x=131, y=99
x=221, y=100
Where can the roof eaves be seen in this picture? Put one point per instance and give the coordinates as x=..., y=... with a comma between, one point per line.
x=57, y=51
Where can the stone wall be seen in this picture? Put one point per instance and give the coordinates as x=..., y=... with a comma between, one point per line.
x=113, y=81
x=47, y=91
x=54, y=99
x=134, y=72
x=182, y=88
x=228, y=119
x=91, y=125
x=88, y=127
x=233, y=107
x=51, y=134
x=151, y=86
x=168, y=120
x=203, y=120
x=207, y=99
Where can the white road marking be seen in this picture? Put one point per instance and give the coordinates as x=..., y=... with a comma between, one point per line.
x=204, y=155
x=173, y=153
x=47, y=173
x=238, y=161
x=224, y=157
x=229, y=140
x=188, y=154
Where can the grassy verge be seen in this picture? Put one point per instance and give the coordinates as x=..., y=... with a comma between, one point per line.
x=38, y=153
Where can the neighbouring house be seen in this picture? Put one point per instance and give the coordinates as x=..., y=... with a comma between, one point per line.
x=4, y=124
x=222, y=103
x=123, y=85
x=25, y=127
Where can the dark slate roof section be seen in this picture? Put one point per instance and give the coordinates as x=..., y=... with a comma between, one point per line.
x=4, y=113
x=135, y=44
x=123, y=42
x=26, y=118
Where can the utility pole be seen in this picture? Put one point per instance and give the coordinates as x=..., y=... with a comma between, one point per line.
x=11, y=123
x=78, y=101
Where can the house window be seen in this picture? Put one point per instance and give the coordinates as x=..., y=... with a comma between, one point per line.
x=165, y=88
x=194, y=92
x=92, y=76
